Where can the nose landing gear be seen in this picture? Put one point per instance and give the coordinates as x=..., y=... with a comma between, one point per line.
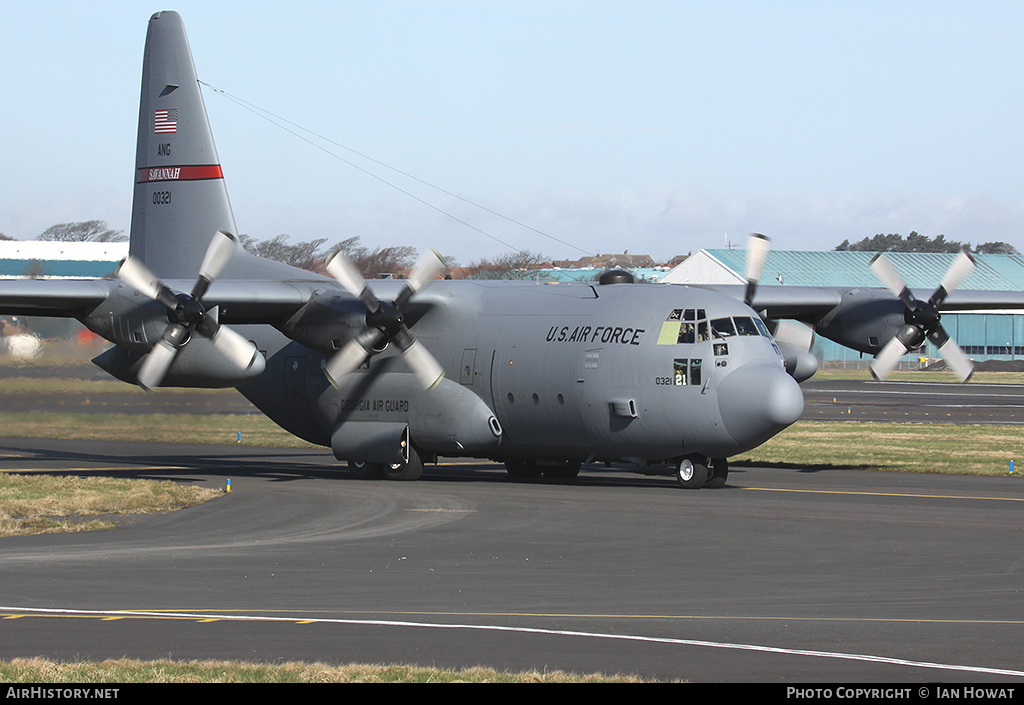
x=696, y=471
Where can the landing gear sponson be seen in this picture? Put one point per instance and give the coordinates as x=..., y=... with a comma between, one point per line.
x=692, y=471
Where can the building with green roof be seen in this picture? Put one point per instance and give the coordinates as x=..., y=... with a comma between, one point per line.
x=983, y=336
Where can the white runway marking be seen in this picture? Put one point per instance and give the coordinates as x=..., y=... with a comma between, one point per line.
x=115, y=614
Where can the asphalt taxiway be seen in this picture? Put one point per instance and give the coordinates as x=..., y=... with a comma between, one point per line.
x=784, y=575
x=913, y=402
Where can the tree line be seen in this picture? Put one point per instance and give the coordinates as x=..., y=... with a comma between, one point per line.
x=81, y=231
x=313, y=255
x=916, y=242
x=397, y=259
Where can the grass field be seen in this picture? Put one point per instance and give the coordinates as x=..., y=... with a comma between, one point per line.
x=40, y=670
x=45, y=503
x=256, y=429
x=893, y=447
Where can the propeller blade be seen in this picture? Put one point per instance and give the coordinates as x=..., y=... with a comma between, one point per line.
x=427, y=369
x=888, y=275
x=347, y=360
x=159, y=359
x=235, y=348
x=962, y=367
x=352, y=355
x=794, y=334
x=341, y=268
x=426, y=269
x=886, y=360
x=137, y=275
x=961, y=268
x=218, y=254
x=954, y=356
x=757, y=254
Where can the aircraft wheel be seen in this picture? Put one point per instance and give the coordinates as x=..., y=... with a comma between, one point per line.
x=405, y=471
x=718, y=473
x=365, y=471
x=522, y=469
x=692, y=472
x=563, y=471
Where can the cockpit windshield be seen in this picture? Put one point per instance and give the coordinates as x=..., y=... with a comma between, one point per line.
x=745, y=326
x=692, y=326
x=722, y=328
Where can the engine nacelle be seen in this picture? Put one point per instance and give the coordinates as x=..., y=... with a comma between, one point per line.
x=865, y=320
x=197, y=364
x=794, y=340
x=326, y=322
x=800, y=364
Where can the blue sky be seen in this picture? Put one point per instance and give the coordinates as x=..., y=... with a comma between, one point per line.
x=657, y=127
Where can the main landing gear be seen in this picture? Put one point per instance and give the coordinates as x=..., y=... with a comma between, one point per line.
x=410, y=470
x=696, y=471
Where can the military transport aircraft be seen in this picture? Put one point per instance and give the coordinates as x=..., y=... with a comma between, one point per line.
x=542, y=377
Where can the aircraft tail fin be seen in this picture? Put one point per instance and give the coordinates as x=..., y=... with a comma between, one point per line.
x=180, y=198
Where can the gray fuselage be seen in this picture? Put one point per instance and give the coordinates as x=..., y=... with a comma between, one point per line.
x=569, y=371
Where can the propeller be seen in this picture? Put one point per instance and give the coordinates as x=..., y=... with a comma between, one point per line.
x=186, y=313
x=922, y=318
x=757, y=254
x=385, y=322
x=794, y=338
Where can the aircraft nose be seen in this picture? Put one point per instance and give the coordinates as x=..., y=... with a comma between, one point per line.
x=757, y=401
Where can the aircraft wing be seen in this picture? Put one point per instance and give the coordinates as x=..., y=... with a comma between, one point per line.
x=979, y=300
x=67, y=298
x=786, y=301
x=243, y=301
x=259, y=301
x=811, y=301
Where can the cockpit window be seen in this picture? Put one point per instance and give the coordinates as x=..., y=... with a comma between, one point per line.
x=686, y=333
x=684, y=325
x=745, y=326
x=702, y=332
x=722, y=328
x=762, y=328
x=686, y=372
